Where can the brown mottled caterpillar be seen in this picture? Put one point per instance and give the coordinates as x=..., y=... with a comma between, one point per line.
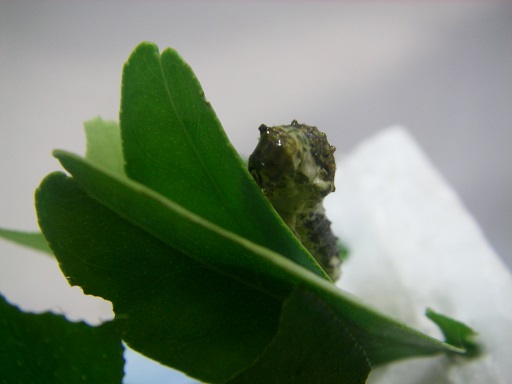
x=294, y=166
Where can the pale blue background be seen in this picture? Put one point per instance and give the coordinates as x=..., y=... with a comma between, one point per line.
x=442, y=69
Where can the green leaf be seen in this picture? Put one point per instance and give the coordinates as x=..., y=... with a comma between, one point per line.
x=104, y=147
x=47, y=348
x=176, y=310
x=313, y=346
x=174, y=144
x=248, y=264
x=455, y=332
x=34, y=240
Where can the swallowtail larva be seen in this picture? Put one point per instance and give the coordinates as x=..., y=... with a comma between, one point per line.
x=294, y=166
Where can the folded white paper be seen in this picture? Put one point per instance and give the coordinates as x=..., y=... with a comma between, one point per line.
x=413, y=245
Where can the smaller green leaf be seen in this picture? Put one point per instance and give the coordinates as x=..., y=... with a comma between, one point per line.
x=47, y=348
x=455, y=332
x=104, y=147
x=174, y=144
x=34, y=240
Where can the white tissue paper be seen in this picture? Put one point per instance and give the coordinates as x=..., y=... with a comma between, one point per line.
x=413, y=245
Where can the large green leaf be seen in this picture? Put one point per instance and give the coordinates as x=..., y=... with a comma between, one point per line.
x=258, y=269
x=47, y=348
x=174, y=144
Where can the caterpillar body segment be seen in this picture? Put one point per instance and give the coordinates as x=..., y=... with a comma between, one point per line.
x=294, y=166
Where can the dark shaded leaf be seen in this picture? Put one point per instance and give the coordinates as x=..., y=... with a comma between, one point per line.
x=313, y=345
x=47, y=348
x=174, y=309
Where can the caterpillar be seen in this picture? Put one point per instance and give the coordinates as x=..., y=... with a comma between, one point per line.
x=294, y=166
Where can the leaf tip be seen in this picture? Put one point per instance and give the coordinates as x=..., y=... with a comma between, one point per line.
x=143, y=49
x=456, y=333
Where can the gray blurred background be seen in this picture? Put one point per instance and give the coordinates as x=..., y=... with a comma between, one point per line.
x=441, y=69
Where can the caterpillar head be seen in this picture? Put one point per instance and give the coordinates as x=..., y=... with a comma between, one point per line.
x=293, y=164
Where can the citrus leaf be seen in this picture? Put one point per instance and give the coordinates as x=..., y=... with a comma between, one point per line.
x=34, y=240
x=103, y=147
x=250, y=264
x=174, y=144
x=47, y=348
